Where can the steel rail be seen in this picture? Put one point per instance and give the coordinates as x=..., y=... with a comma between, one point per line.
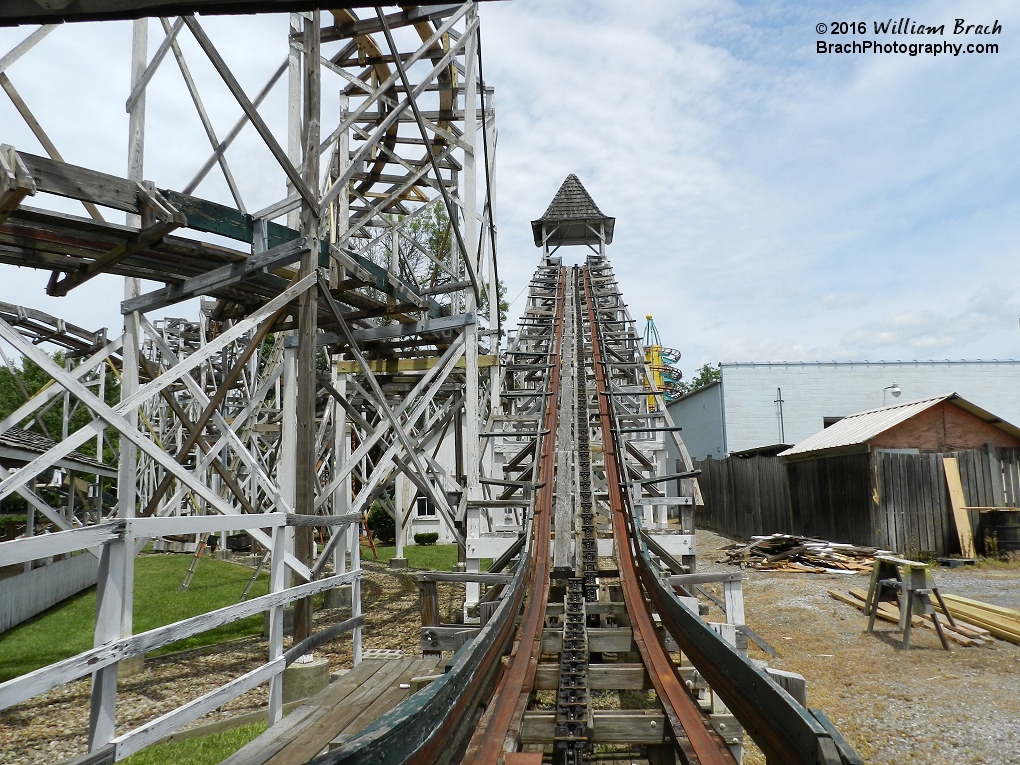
x=785, y=731
x=506, y=710
x=431, y=726
x=700, y=744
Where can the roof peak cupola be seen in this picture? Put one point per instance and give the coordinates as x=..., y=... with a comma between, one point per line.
x=573, y=218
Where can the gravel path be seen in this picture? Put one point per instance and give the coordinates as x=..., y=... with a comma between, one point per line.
x=924, y=705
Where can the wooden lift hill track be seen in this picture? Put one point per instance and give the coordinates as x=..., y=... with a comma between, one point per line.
x=597, y=601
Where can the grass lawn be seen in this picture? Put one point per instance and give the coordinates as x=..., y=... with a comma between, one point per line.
x=207, y=750
x=434, y=557
x=67, y=628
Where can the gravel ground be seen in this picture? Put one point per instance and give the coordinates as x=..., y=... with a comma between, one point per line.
x=54, y=726
x=923, y=705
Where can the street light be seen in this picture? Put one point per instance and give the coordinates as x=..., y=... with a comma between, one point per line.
x=894, y=389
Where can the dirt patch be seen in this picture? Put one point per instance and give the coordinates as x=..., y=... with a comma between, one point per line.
x=922, y=705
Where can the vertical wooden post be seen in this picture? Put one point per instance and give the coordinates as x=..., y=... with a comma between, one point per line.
x=109, y=608
x=304, y=499
x=115, y=583
x=341, y=453
x=429, y=596
x=355, y=531
x=470, y=193
x=277, y=582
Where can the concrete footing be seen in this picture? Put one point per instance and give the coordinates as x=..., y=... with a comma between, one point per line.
x=338, y=597
x=304, y=679
x=398, y=562
x=130, y=667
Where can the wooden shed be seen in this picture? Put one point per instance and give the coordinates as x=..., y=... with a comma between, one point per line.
x=876, y=477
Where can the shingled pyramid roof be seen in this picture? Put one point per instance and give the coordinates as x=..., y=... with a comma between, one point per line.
x=571, y=213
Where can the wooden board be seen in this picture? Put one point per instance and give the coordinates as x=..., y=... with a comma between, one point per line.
x=635, y=726
x=345, y=706
x=616, y=677
x=960, y=513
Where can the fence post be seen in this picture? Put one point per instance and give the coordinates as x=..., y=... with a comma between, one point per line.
x=110, y=606
x=277, y=582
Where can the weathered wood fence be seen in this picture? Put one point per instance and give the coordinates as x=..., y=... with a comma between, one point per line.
x=744, y=497
x=891, y=500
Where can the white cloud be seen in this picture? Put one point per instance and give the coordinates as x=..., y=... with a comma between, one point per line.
x=772, y=203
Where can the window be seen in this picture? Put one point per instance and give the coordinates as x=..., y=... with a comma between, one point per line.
x=425, y=508
x=827, y=421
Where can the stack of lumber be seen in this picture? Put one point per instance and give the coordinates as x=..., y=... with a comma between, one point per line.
x=964, y=633
x=786, y=552
x=1002, y=622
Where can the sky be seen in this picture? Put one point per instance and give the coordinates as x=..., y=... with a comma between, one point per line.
x=772, y=203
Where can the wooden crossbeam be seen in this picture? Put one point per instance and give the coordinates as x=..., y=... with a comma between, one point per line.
x=224, y=276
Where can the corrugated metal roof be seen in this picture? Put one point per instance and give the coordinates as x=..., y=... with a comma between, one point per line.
x=863, y=426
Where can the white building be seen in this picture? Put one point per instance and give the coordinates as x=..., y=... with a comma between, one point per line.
x=760, y=404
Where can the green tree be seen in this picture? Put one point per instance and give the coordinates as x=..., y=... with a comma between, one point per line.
x=504, y=306
x=381, y=524
x=704, y=376
x=17, y=385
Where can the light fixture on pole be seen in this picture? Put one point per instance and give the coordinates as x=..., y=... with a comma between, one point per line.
x=894, y=389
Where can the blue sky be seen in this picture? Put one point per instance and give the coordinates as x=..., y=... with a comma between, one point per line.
x=772, y=203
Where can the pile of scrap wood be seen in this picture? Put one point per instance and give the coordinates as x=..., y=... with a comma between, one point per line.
x=965, y=633
x=786, y=552
x=1002, y=622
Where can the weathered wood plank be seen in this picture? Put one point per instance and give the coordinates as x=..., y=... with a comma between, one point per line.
x=637, y=726
x=614, y=677
x=961, y=516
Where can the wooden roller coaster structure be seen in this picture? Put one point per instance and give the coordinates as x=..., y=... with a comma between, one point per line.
x=343, y=344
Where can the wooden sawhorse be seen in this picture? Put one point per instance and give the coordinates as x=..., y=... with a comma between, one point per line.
x=910, y=584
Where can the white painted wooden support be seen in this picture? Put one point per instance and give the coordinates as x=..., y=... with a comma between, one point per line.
x=59, y=543
x=151, y=732
x=110, y=597
x=430, y=381
x=221, y=148
x=25, y=46
x=210, y=132
x=384, y=87
x=41, y=680
x=228, y=430
x=51, y=390
x=37, y=503
x=342, y=181
x=733, y=596
x=249, y=109
x=114, y=419
x=277, y=582
x=138, y=88
x=356, y=596
x=76, y=439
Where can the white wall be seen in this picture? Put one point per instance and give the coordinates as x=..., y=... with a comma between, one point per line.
x=700, y=415
x=813, y=390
